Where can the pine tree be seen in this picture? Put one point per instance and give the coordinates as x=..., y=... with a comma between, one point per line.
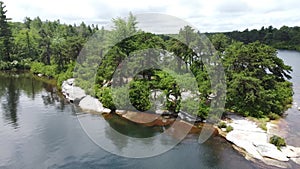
x=5, y=35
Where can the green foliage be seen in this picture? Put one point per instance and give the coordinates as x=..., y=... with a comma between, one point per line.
x=273, y=116
x=263, y=126
x=139, y=94
x=283, y=38
x=24, y=64
x=105, y=96
x=261, y=122
x=229, y=129
x=62, y=76
x=5, y=36
x=256, y=80
x=47, y=70
x=277, y=141
x=222, y=124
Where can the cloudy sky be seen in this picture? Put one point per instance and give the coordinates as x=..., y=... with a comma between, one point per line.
x=206, y=15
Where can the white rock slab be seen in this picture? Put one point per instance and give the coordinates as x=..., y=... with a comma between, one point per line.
x=76, y=93
x=240, y=139
x=270, y=151
x=106, y=110
x=91, y=104
x=291, y=151
x=296, y=160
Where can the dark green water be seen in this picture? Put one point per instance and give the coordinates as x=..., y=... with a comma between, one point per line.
x=38, y=129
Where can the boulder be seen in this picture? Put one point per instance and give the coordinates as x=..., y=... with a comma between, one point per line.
x=71, y=92
x=70, y=81
x=270, y=151
x=76, y=93
x=159, y=111
x=90, y=103
x=106, y=110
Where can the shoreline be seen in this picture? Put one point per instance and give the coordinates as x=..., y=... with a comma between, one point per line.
x=252, y=142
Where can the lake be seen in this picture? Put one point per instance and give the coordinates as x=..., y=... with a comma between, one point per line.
x=39, y=129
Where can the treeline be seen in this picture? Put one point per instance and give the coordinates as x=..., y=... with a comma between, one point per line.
x=48, y=47
x=255, y=76
x=283, y=38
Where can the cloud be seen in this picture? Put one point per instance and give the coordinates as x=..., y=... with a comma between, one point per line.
x=208, y=16
x=233, y=6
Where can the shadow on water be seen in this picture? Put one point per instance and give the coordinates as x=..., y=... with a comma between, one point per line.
x=131, y=129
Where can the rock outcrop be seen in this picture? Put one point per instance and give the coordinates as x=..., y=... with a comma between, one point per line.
x=77, y=95
x=270, y=151
x=90, y=103
x=72, y=92
x=249, y=137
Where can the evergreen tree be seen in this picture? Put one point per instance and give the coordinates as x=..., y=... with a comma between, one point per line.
x=5, y=35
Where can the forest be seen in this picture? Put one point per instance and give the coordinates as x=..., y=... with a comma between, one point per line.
x=256, y=79
x=282, y=38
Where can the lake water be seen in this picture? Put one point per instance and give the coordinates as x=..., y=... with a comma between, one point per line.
x=39, y=129
x=291, y=122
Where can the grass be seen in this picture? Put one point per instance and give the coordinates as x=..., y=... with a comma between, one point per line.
x=222, y=124
x=229, y=129
x=261, y=122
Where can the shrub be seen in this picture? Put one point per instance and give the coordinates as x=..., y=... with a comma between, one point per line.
x=64, y=75
x=105, y=97
x=277, y=141
x=273, y=116
x=48, y=70
x=222, y=124
x=139, y=95
x=229, y=128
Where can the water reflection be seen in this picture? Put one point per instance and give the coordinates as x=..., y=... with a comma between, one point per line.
x=11, y=104
x=16, y=85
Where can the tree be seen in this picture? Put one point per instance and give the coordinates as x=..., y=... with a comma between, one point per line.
x=220, y=42
x=5, y=35
x=256, y=80
x=123, y=29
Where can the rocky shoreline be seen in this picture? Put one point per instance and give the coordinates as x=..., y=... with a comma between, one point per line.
x=253, y=142
x=246, y=137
